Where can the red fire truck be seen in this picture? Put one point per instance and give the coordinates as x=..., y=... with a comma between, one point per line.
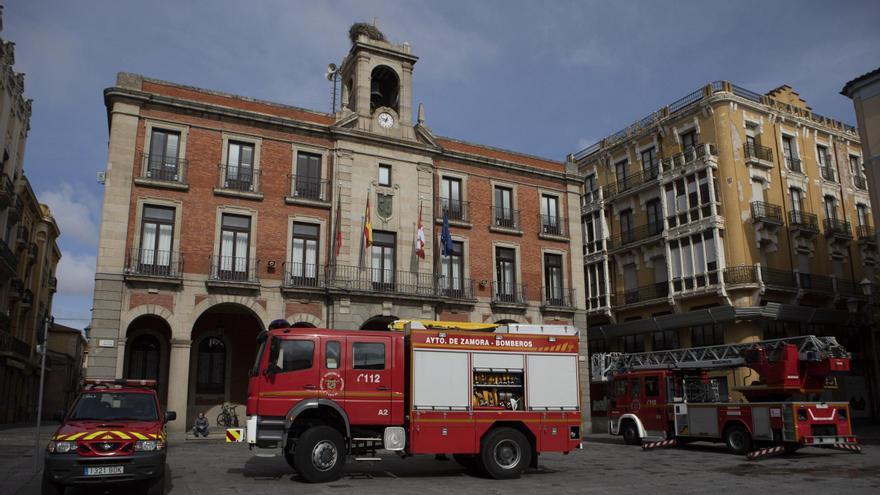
x=495, y=398
x=667, y=397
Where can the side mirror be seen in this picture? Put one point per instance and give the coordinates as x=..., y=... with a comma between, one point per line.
x=170, y=416
x=58, y=416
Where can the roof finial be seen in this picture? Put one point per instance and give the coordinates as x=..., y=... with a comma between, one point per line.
x=421, y=118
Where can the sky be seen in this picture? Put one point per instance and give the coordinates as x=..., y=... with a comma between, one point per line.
x=546, y=78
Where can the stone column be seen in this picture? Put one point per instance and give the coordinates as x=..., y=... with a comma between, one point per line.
x=178, y=377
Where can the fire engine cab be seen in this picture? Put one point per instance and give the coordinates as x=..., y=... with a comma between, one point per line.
x=493, y=396
x=667, y=397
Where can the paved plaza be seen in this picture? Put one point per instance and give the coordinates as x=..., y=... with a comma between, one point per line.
x=605, y=465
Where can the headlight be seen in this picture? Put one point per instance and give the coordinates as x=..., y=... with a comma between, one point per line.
x=145, y=445
x=61, y=447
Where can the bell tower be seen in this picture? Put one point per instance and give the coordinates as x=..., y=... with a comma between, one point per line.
x=376, y=80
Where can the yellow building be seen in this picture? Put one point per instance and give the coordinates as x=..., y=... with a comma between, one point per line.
x=729, y=216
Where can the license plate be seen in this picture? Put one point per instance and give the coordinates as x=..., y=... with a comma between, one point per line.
x=104, y=470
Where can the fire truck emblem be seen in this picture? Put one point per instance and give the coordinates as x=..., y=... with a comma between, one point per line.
x=332, y=383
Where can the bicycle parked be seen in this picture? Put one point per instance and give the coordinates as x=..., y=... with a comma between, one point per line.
x=227, y=417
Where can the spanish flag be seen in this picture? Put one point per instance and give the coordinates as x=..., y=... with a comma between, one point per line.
x=368, y=225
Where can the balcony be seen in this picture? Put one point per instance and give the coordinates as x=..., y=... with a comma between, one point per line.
x=155, y=266
x=741, y=275
x=303, y=277
x=505, y=220
x=766, y=213
x=461, y=289
x=866, y=235
x=8, y=261
x=456, y=211
x=162, y=171
x=378, y=281
x=652, y=292
x=553, y=227
x=309, y=191
x=557, y=298
x=838, y=229
x=13, y=345
x=591, y=200
x=794, y=164
x=803, y=222
x=234, y=272
x=827, y=173
x=53, y=284
x=15, y=209
x=775, y=278
x=688, y=156
x=632, y=182
x=238, y=181
x=509, y=294
x=7, y=190
x=758, y=155
x=635, y=235
x=860, y=182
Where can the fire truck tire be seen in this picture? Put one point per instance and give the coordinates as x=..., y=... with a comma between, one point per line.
x=505, y=453
x=51, y=488
x=630, y=433
x=320, y=454
x=737, y=438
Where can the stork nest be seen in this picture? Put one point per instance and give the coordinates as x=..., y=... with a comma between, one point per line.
x=368, y=30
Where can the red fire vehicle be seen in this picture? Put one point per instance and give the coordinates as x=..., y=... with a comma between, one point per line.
x=113, y=434
x=495, y=399
x=667, y=397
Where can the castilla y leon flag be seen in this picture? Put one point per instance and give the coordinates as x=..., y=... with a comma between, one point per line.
x=368, y=225
x=420, y=237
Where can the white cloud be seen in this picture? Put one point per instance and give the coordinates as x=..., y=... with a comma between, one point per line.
x=76, y=275
x=75, y=211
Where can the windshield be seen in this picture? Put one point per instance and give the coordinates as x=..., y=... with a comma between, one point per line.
x=112, y=406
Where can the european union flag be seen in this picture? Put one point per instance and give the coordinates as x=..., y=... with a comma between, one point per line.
x=446, y=236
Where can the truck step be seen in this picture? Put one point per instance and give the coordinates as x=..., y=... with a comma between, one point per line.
x=367, y=459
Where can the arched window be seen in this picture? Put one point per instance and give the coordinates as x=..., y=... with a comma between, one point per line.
x=143, y=358
x=211, y=374
x=302, y=324
x=384, y=88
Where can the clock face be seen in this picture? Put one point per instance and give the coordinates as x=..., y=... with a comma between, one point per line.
x=386, y=120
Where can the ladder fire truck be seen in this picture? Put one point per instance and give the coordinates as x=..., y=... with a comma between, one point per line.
x=493, y=396
x=664, y=398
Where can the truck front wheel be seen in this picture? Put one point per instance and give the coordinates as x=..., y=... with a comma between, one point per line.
x=505, y=453
x=630, y=433
x=738, y=439
x=320, y=454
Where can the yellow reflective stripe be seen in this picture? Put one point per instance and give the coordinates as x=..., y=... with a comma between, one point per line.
x=154, y=435
x=121, y=435
x=95, y=434
x=76, y=435
x=138, y=435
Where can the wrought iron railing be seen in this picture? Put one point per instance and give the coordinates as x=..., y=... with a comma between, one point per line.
x=455, y=287
x=559, y=297
x=644, y=293
x=553, y=225
x=815, y=283
x=505, y=217
x=827, y=172
x=866, y=233
x=860, y=182
x=632, y=181
x=379, y=280
x=803, y=220
x=635, y=234
x=154, y=263
x=755, y=150
x=841, y=228
x=234, y=269
x=775, y=277
x=690, y=155
x=163, y=168
x=766, y=212
x=743, y=274
x=508, y=292
x=794, y=164
x=312, y=188
x=455, y=209
x=303, y=275
x=239, y=178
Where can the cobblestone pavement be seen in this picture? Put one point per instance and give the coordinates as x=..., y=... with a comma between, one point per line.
x=604, y=466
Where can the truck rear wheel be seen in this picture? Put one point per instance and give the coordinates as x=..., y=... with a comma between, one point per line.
x=738, y=439
x=320, y=454
x=630, y=433
x=505, y=453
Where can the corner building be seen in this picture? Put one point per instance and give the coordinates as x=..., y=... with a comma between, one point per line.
x=730, y=216
x=220, y=214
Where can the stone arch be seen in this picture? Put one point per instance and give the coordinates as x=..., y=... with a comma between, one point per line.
x=217, y=299
x=313, y=320
x=152, y=326
x=384, y=88
x=378, y=322
x=499, y=318
x=128, y=317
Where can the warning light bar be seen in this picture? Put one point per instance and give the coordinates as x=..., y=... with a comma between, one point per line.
x=118, y=382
